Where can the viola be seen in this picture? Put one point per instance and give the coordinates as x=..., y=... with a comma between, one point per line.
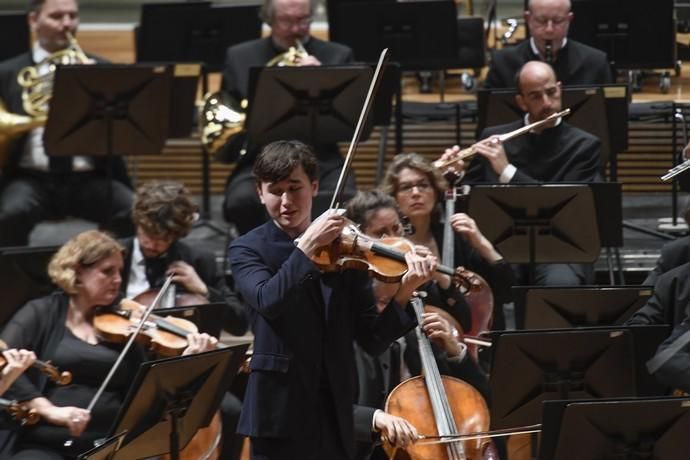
x=439, y=405
x=53, y=373
x=165, y=336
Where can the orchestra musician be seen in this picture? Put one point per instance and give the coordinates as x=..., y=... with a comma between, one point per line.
x=290, y=23
x=673, y=254
x=377, y=214
x=418, y=189
x=300, y=393
x=164, y=213
x=60, y=328
x=574, y=63
x=556, y=152
x=16, y=362
x=34, y=187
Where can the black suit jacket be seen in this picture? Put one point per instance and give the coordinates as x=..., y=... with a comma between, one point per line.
x=256, y=53
x=205, y=265
x=577, y=64
x=670, y=301
x=11, y=96
x=304, y=322
x=673, y=254
x=560, y=154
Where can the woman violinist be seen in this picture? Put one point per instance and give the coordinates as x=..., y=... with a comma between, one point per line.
x=60, y=327
x=377, y=215
x=418, y=188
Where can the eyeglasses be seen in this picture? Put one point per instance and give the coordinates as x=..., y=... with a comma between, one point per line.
x=407, y=187
x=555, y=21
x=287, y=21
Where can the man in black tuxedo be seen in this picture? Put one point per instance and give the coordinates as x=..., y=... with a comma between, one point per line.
x=34, y=187
x=557, y=152
x=290, y=22
x=574, y=63
x=299, y=399
x=673, y=254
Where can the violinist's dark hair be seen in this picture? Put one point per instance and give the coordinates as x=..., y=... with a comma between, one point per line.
x=81, y=251
x=364, y=204
x=278, y=159
x=164, y=208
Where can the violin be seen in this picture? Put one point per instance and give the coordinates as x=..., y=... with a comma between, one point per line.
x=19, y=412
x=53, y=373
x=382, y=258
x=165, y=336
x=172, y=298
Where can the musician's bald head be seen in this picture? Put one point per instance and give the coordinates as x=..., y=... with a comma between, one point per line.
x=548, y=22
x=539, y=93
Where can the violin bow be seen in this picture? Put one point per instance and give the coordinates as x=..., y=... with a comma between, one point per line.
x=373, y=88
x=445, y=439
x=132, y=338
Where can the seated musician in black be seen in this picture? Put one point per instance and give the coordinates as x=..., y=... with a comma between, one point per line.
x=60, y=328
x=163, y=213
x=377, y=215
x=419, y=188
x=557, y=152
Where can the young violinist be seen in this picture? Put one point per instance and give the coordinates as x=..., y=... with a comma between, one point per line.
x=16, y=362
x=299, y=399
x=60, y=328
x=418, y=189
x=163, y=214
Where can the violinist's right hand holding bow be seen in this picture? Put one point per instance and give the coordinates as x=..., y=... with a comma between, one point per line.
x=74, y=418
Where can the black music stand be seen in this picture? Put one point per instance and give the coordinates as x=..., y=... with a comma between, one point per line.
x=106, y=450
x=616, y=429
x=533, y=224
x=529, y=367
x=23, y=276
x=171, y=398
x=196, y=32
x=14, y=34
x=553, y=307
x=108, y=110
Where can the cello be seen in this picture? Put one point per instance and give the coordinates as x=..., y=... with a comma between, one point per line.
x=480, y=299
x=439, y=406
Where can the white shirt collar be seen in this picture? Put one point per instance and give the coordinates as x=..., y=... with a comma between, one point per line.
x=38, y=53
x=535, y=50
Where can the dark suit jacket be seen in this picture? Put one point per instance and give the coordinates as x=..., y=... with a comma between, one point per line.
x=11, y=96
x=205, y=265
x=669, y=304
x=577, y=64
x=256, y=53
x=560, y=154
x=673, y=254
x=304, y=322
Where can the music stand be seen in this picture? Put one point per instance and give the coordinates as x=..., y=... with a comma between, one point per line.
x=196, y=32
x=554, y=307
x=420, y=35
x=23, y=276
x=317, y=105
x=171, y=398
x=105, y=451
x=14, y=34
x=529, y=367
x=108, y=110
x=207, y=317
x=616, y=428
x=531, y=224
